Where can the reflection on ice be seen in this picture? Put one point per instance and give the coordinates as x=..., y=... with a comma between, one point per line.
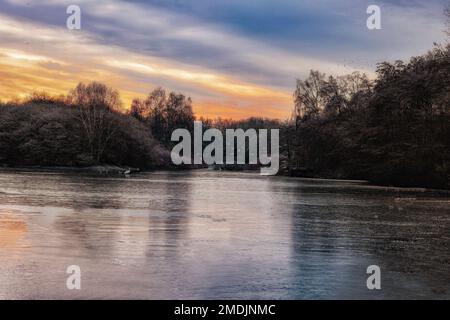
x=208, y=234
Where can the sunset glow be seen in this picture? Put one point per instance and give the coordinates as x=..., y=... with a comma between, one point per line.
x=135, y=47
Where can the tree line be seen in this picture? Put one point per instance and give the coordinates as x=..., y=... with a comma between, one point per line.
x=392, y=130
x=84, y=128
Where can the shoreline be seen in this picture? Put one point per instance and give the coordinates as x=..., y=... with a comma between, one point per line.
x=98, y=169
x=125, y=170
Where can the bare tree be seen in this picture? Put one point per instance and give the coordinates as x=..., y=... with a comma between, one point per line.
x=96, y=104
x=308, y=95
x=338, y=92
x=164, y=113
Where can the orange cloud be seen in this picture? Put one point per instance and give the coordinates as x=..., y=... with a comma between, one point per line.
x=69, y=58
x=237, y=109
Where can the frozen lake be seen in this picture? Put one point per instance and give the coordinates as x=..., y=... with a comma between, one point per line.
x=215, y=235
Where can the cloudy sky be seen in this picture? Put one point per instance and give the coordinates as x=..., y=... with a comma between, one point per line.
x=235, y=58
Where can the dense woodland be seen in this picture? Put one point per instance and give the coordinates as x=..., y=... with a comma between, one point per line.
x=85, y=128
x=393, y=130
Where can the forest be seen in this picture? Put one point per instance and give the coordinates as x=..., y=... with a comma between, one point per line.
x=394, y=130
x=391, y=130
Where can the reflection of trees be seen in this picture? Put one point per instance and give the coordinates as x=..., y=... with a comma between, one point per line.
x=98, y=192
x=327, y=261
x=169, y=216
x=92, y=228
x=336, y=235
x=86, y=226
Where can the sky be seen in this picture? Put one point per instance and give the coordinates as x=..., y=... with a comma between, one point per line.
x=235, y=58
